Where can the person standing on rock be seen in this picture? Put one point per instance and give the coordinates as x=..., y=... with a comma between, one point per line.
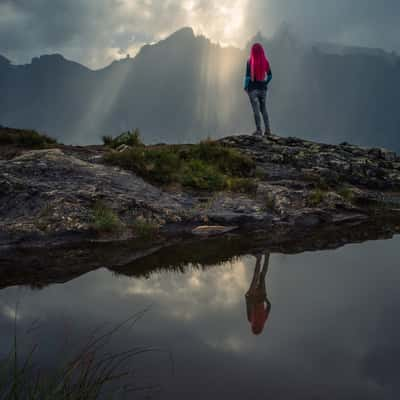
x=258, y=75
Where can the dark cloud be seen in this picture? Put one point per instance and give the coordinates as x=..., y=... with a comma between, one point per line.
x=96, y=31
x=371, y=23
x=30, y=28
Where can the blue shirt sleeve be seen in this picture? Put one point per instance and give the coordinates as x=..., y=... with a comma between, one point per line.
x=247, y=77
x=269, y=76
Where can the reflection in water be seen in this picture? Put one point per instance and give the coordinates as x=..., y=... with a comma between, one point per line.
x=336, y=337
x=257, y=304
x=38, y=267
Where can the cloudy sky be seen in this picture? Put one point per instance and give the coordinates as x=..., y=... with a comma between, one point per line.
x=94, y=32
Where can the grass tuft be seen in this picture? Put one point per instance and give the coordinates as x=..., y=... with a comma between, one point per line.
x=207, y=166
x=128, y=138
x=197, y=174
x=90, y=375
x=105, y=219
x=25, y=138
x=346, y=193
x=316, y=197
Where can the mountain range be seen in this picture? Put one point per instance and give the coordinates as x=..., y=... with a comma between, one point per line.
x=186, y=88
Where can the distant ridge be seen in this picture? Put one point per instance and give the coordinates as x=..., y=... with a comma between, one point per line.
x=185, y=88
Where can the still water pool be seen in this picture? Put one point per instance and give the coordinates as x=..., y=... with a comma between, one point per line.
x=325, y=326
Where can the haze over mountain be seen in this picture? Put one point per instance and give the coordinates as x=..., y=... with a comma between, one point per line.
x=185, y=88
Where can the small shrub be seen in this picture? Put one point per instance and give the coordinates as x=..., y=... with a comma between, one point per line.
x=204, y=166
x=132, y=159
x=228, y=160
x=234, y=163
x=199, y=175
x=156, y=165
x=34, y=139
x=162, y=166
x=107, y=140
x=316, y=197
x=25, y=138
x=128, y=138
x=105, y=219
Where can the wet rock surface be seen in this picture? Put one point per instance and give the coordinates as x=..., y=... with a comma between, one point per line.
x=49, y=196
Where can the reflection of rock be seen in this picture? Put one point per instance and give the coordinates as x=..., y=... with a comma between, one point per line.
x=205, y=230
x=47, y=196
x=41, y=266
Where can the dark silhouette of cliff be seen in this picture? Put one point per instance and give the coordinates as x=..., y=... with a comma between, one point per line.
x=185, y=88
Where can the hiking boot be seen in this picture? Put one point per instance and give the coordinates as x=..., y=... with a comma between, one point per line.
x=268, y=132
x=257, y=133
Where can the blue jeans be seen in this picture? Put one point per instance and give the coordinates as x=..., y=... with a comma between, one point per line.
x=258, y=103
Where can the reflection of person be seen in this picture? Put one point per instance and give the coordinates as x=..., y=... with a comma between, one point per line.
x=257, y=303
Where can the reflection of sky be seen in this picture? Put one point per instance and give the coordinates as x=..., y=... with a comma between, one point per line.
x=332, y=332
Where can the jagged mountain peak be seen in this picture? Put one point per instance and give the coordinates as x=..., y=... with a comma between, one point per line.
x=185, y=88
x=49, y=58
x=185, y=32
x=56, y=61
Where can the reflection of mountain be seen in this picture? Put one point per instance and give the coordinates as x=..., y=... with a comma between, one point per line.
x=185, y=88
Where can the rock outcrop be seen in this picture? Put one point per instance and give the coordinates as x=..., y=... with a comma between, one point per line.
x=48, y=196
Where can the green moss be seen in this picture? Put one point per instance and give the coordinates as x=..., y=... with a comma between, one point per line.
x=197, y=174
x=226, y=159
x=316, y=197
x=105, y=219
x=128, y=138
x=205, y=166
x=346, y=193
x=157, y=165
x=25, y=138
x=161, y=166
x=132, y=159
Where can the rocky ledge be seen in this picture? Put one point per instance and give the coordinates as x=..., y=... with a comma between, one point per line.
x=48, y=196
